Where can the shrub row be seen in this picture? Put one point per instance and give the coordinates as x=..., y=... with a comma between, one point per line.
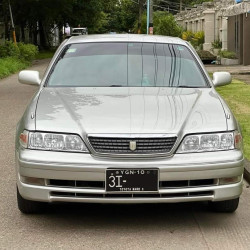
x=10, y=65
x=196, y=39
x=25, y=52
x=228, y=54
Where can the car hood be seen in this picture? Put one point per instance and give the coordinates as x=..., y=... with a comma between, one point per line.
x=130, y=110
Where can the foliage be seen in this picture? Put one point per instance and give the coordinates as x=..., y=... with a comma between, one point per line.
x=196, y=39
x=164, y=24
x=10, y=65
x=199, y=38
x=237, y=95
x=45, y=54
x=25, y=52
x=187, y=36
x=122, y=16
x=41, y=17
x=9, y=49
x=28, y=52
x=217, y=44
x=228, y=54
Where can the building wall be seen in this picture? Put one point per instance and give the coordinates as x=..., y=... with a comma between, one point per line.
x=231, y=33
x=210, y=29
x=222, y=20
x=246, y=39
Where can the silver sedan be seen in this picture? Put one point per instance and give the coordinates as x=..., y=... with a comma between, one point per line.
x=127, y=119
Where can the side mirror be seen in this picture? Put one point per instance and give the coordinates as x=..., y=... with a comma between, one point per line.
x=221, y=78
x=29, y=77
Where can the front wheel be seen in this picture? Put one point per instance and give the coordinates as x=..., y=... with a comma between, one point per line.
x=228, y=206
x=29, y=207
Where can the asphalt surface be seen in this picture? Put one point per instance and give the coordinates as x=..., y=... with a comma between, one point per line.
x=80, y=226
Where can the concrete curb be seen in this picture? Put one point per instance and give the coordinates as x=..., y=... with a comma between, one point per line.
x=247, y=171
x=241, y=73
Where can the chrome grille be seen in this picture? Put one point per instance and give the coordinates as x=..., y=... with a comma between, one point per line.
x=122, y=145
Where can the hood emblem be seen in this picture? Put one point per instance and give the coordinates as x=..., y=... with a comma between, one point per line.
x=132, y=145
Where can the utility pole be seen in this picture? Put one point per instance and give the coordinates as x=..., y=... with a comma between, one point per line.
x=140, y=15
x=12, y=24
x=150, y=27
x=148, y=2
x=151, y=18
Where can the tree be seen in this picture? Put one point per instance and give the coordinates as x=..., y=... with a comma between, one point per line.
x=164, y=24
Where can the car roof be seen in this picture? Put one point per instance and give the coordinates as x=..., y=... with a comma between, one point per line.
x=125, y=38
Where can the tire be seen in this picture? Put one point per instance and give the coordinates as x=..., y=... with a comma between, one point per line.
x=29, y=207
x=228, y=206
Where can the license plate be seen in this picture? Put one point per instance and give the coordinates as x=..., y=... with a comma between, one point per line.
x=132, y=180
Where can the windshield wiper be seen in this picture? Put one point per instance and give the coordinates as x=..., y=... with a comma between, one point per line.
x=116, y=86
x=186, y=86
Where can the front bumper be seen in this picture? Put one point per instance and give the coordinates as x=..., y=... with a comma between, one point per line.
x=85, y=167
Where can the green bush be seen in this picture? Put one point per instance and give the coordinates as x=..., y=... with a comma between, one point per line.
x=164, y=24
x=9, y=49
x=15, y=57
x=217, y=44
x=10, y=65
x=196, y=39
x=28, y=52
x=228, y=54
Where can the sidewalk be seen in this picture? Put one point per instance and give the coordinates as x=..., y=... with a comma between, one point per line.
x=234, y=70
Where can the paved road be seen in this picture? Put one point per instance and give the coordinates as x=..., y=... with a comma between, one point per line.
x=77, y=226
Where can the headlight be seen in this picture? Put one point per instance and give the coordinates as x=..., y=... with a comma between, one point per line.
x=53, y=142
x=210, y=142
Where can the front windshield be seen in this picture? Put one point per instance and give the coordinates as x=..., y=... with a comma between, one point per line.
x=126, y=65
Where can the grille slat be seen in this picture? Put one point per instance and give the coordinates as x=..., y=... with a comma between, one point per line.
x=162, y=184
x=131, y=196
x=122, y=145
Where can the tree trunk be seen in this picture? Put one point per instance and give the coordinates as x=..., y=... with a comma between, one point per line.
x=140, y=16
x=43, y=42
x=23, y=33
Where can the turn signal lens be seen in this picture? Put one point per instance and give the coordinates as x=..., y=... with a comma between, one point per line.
x=32, y=181
x=24, y=138
x=238, y=140
x=230, y=180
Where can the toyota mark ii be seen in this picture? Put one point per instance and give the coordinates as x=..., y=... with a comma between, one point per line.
x=127, y=119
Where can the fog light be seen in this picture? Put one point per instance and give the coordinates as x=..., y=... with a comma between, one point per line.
x=230, y=180
x=33, y=181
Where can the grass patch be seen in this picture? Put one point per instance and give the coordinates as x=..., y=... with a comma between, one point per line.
x=237, y=95
x=11, y=65
x=44, y=54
